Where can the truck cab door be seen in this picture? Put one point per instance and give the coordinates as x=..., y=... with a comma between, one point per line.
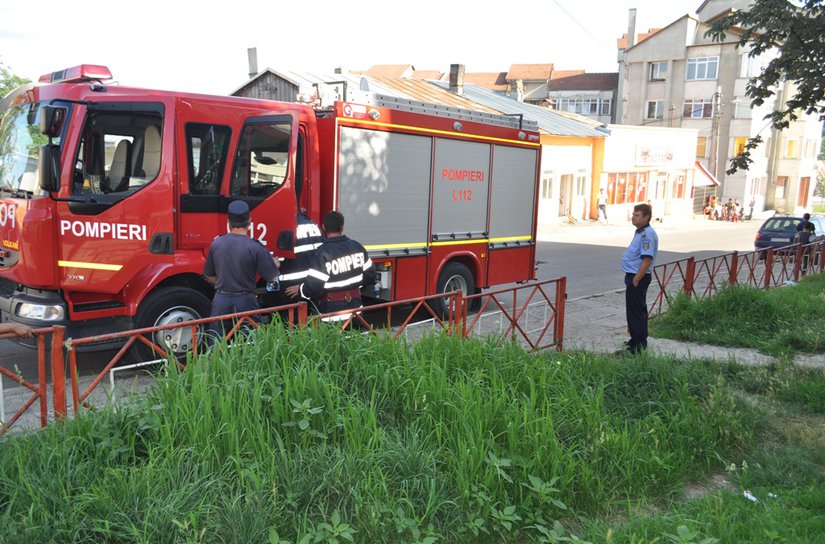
x=263, y=175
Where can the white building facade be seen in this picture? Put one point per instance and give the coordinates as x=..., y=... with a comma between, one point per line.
x=677, y=77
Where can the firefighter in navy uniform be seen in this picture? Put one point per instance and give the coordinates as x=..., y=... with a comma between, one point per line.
x=294, y=271
x=231, y=266
x=340, y=267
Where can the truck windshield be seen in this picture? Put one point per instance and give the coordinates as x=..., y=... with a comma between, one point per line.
x=20, y=141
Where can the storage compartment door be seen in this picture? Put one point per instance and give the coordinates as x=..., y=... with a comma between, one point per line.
x=512, y=215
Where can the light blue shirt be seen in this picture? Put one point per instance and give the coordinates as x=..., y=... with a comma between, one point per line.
x=645, y=243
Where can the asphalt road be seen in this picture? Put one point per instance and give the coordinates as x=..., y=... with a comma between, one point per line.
x=588, y=254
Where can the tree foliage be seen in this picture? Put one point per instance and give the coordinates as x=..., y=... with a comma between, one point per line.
x=9, y=81
x=793, y=31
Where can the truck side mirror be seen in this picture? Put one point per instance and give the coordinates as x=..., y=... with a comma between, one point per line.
x=48, y=165
x=51, y=120
x=286, y=240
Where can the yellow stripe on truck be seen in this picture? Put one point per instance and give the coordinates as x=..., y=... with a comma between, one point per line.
x=89, y=266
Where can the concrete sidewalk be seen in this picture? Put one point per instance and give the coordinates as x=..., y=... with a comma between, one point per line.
x=597, y=323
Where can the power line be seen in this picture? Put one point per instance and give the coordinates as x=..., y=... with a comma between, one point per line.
x=597, y=40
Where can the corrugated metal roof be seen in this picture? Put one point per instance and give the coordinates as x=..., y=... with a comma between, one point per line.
x=425, y=91
x=549, y=121
x=426, y=74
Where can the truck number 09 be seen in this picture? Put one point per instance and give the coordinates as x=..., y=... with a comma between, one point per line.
x=7, y=214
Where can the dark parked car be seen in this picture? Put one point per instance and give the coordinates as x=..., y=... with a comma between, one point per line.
x=780, y=230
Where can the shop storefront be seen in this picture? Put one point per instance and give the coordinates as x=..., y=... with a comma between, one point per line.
x=647, y=164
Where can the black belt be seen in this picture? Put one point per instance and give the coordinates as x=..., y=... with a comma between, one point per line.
x=234, y=293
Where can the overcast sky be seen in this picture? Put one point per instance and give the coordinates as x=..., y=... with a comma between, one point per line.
x=202, y=46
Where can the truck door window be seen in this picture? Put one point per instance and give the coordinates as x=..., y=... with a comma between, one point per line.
x=119, y=153
x=206, y=147
x=262, y=161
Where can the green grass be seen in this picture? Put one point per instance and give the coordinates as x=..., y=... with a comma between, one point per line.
x=819, y=208
x=779, y=321
x=308, y=437
x=784, y=469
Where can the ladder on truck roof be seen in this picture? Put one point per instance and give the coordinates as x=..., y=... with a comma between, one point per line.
x=516, y=120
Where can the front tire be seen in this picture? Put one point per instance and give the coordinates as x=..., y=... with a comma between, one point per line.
x=168, y=306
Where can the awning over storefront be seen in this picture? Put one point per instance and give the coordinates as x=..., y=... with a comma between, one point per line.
x=703, y=177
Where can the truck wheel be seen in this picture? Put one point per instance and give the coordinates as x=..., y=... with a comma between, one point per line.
x=169, y=306
x=453, y=277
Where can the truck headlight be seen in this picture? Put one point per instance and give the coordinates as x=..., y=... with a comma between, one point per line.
x=43, y=312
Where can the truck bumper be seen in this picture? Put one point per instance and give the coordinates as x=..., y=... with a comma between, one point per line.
x=39, y=303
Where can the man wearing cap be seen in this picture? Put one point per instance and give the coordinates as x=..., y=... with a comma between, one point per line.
x=233, y=261
x=637, y=265
x=340, y=267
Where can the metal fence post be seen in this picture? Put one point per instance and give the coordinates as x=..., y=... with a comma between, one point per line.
x=768, y=269
x=690, y=271
x=58, y=373
x=734, y=268
x=561, y=298
x=797, y=262
x=302, y=315
x=457, y=324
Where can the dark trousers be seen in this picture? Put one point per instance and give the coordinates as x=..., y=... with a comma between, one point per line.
x=224, y=304
x=636, y=305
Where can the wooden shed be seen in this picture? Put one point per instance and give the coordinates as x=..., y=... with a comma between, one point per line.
x=269, y=85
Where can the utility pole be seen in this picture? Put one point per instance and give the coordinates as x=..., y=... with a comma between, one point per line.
x=716, y=116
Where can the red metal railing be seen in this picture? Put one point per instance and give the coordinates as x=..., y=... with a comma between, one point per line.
x=762, y=269
x=39, y=390
x=518, y=315
x=513, y=315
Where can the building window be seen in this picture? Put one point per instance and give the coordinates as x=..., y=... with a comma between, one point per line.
x=627, y=187
x=581, y=182
x=702, y=68
x=792, y=148
x=743, y=108
x=698, y=109
x=739, y=144
x=584, y=106
x=655, y=109
x=701, y=147
x=658, y=71
x=547, y=186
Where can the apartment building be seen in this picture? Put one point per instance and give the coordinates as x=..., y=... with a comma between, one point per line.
x=677, y=77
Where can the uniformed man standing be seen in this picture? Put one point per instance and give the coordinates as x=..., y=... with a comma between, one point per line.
x=637, y=265
x=294, y=271
x=340, y=267
x=233, y=261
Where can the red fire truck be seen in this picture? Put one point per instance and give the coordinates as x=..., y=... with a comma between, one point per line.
x=112, y=195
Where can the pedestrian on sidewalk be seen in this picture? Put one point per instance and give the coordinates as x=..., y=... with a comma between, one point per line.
x=602, y=202
x=637, y=265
